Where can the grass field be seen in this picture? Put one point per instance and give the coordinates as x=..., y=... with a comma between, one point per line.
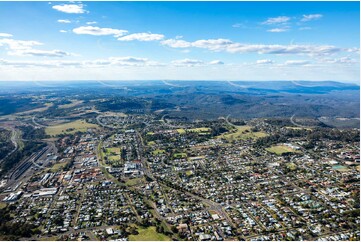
x=297, y=128
x=199, y=130
x=69, y=128
x=2, y=205
x=57, y=166
x=158, y=151
x=180, y=155
x=150, y=143
x=181, y=131
x=133, y=182
x=72, y=104
x=189, y=173
x=113, y=158
x=51, y=238
x=47, y=105
x=243, y=133
x=148, y=234
x=280, y=149
x=112, y=151
x=291, y=166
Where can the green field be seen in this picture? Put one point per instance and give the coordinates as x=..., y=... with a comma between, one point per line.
x=180, y=155
x=112, y=151
x=181, y=131
x=72, y=104
x=50, y=238
x=150, y=143
x=113, y=158
x=148, y=234
x=57, y=166
x=292, y=166
x=199, y=130
x=47, y=106
x=2, y=205
x=158, y=151
x=281, y=149
x=69, y=128
x=189, y=173
x=243, y=133
x=133, y=182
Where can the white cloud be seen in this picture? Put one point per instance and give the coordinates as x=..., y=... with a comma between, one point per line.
x=35, y=52
x=176, y=43
x=238, y=25
x=277, y=20
x=62, y=31
x=212, y=44
x=278, y=30
x=187, y=62
x=262, y=62
x=342, y=60
x=92, y=22
x=111, y=61
x=297, y=62
x=305, y=28
x=25, y=48
x=216, y=62
x=5, y=35
x=142, y=37
x=310, y=17
x=233, y=47
x=70, y=8
x=64, y=21
x=91, y=30
x=18, y=44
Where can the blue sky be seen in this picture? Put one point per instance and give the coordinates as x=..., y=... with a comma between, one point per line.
x=180, y=41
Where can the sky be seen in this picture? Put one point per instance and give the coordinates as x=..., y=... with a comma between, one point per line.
x=263, y=41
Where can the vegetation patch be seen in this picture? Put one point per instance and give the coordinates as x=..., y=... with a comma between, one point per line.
x=158, y=151
x=181, y=131
x=199, y=130
x=112, y=151
x=133, y=182
x=148, y=234
x=243, y=132
x=150, y=143
x=58, y=166
x=47, y=106
x=72, y=104
x=2, y=205
x=189, y=173
x=292, y=166
x=281, y=149
x=70, y=128
x=180, y=155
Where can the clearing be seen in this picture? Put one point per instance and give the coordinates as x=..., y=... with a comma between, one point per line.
x=242, y=132
x=148, y=234
x=58, y=166
x=281, y=149
x=72, y=104
x=180, y=155
x=69, y=128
